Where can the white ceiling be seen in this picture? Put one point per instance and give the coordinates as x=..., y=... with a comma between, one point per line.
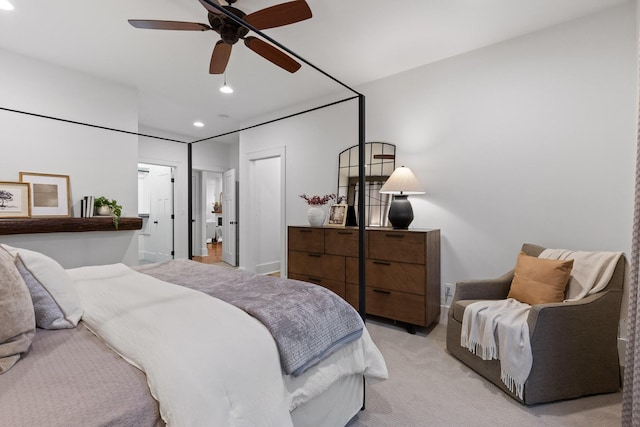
x=356, y=41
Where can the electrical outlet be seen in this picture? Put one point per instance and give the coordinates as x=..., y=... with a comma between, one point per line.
x=449, y=290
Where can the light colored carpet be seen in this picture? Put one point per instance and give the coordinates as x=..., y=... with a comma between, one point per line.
x=429, y=387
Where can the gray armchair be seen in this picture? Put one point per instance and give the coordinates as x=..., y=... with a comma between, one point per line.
x=574, y=344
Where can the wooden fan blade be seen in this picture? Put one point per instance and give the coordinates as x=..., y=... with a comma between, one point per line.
x=220, y=57
x=271, y=53
x=168, y=25
x=279, y=15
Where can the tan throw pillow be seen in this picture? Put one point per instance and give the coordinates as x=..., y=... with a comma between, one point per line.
x=17, y=318
x=539, y=280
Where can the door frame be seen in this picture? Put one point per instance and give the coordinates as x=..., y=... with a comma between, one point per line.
x=230, y=213
x=247, y=250
x=199, y=243
x=199, y=208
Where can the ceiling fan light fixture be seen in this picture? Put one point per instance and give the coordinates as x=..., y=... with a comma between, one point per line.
x=225, y=88
x=6, y=5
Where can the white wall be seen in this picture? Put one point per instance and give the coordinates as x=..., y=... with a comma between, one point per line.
x=529, y=140
x=213, y=156
x=98, y=161
x=312, y=142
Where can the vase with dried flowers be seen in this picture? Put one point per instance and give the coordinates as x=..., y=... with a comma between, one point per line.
x=316, y=214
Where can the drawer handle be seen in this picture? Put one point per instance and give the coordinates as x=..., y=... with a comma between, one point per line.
x=382, y=292
x=314, y=279
x=382, y=263
x=346, y=232
x=304, y=230
x=315, y=255
x=395, y=236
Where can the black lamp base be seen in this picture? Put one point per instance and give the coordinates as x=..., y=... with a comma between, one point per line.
x=400, y=212
x=351, y=217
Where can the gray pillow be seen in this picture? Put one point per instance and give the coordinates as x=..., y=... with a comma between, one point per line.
x=17, y=318
x=54, y=296
x=50, y=314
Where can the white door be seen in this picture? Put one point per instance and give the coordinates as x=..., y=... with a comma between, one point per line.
x=159, y=240
x=229, y=218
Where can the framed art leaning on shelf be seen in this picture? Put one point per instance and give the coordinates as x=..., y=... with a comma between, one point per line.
x=49, y=194
x=14, y=200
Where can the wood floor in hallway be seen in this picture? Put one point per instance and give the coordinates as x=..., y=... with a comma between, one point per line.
x=214, y=254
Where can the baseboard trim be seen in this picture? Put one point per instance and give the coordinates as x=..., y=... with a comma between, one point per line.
x=268, y=268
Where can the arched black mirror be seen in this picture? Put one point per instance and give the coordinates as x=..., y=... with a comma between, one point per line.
x=380, y=164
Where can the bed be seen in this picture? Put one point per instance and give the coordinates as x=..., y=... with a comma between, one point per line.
x=151, y=345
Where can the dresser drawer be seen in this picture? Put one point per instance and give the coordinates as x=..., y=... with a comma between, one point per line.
x=394, y=276
x=341, y=242
x=392, y=245
x=333, y=285
x=390, y=304
x=316, y=265
x=306, y=239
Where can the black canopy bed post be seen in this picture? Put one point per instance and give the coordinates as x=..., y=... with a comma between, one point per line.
x=362, y=295
x=190, y=197
x=361, y=210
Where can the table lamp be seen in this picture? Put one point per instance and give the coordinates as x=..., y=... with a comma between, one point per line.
x=401, y=184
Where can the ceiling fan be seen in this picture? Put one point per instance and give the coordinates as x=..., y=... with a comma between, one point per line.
x=230, y=31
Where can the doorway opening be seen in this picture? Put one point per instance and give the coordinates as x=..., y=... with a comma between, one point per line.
x=208, y=233
x=155, y=207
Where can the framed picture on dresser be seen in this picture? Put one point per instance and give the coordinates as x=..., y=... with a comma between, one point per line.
x=337, y=216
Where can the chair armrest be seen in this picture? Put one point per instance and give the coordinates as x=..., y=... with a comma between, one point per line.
x=593, y=312
x=497, y=288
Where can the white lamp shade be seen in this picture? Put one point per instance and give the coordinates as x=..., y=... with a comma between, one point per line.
x=402, y=181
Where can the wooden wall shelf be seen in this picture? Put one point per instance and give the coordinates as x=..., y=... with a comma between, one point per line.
x=65, y=225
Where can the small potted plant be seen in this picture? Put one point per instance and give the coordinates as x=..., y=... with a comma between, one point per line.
x=104, y=206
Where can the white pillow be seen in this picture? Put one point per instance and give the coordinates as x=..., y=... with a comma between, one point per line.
x=56, y=303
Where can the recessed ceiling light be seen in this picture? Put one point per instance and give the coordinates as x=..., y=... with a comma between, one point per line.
x=5, y=5
x=198, y=124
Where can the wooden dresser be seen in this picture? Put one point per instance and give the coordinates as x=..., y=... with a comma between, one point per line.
x=402, y=268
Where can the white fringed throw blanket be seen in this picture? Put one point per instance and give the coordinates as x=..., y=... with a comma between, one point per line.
x=498, y=330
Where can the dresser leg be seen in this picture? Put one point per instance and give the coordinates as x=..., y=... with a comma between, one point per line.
x=411, y=329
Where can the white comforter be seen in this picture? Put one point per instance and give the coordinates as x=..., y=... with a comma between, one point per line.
x=207, y=362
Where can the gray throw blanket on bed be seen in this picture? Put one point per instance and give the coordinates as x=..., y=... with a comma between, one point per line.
x=308, y=322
